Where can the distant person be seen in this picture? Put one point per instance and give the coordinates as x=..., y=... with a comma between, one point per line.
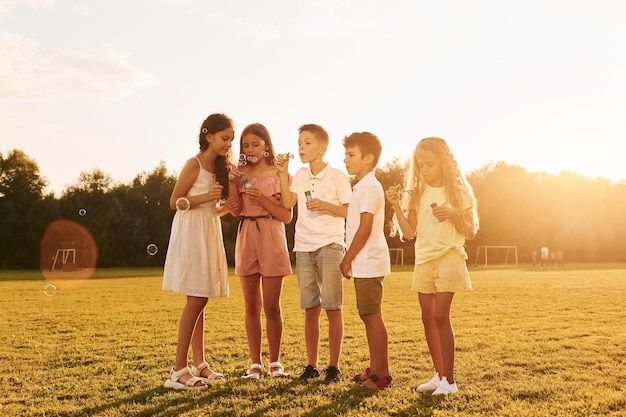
x=545, y=256
x=559, y=257
x=322, y=193
x=552, y=259
x=534, y=258
x=261, y=254
x=366, y=260
x=195, y=264
x=439, y=209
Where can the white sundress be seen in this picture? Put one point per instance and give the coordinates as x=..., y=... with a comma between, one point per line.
x=195, y=263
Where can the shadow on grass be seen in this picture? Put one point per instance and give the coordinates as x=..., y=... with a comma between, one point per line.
x=173, y=407
x=425, y=406
x=346, y=401
x=343, y=402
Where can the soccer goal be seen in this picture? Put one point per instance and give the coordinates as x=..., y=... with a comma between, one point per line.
x=68, y=259
x=496, y=256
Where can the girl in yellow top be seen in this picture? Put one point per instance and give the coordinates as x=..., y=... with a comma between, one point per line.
x=439, y=209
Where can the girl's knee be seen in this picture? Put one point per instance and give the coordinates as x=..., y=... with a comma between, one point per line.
x=272, y=312
x=442, y=321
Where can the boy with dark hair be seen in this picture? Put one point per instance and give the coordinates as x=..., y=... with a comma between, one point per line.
x=367, y=258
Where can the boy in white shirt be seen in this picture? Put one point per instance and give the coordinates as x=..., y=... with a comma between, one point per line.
x=367, y=257
x=322, y=193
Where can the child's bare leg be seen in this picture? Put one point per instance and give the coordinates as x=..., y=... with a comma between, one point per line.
x=253, y=304
x=312, y=334
x=272, y=287
x=335, y=336
x=428, y=304
x=446, y=334
x=377, y=340
x=197, y=340
x=188, y=319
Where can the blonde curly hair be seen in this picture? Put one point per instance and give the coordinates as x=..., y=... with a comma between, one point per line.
x=457, y=187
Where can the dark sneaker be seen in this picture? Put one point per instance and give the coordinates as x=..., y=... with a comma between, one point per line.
x=333, y=375
x=309, y=373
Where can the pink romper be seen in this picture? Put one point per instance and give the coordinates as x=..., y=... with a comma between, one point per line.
x=261, y=246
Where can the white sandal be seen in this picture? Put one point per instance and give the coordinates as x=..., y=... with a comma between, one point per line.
x=172, y=381
x=251, y=375
x=213, y=378
x=278, y=373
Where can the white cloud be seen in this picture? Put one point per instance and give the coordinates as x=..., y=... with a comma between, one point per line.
x=7, y=6
x=30, y=70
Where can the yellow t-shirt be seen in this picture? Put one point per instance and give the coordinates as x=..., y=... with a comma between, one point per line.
x=435, y=238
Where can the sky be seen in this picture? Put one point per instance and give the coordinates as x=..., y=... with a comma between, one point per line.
x=122, y=86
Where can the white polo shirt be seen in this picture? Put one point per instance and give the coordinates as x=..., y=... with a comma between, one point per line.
x=368, y=197
x=316, y=229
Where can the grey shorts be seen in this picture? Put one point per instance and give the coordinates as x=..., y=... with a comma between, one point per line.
x=319, y=277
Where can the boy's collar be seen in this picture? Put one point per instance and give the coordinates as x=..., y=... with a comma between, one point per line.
x=320, y=174
x=369, y=174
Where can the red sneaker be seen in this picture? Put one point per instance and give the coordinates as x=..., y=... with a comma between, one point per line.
x=378, y=383
x=359, y=377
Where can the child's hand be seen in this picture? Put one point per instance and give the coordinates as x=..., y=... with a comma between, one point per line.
x=255, y=194
x=442, y=212
x=345, y=268
x=215, y=191
x=393, y=194
x=234, y=174
x=233, y=204
x=281, y=164
x=315, y=204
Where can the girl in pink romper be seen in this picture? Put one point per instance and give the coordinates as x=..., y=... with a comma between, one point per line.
x=261, y=254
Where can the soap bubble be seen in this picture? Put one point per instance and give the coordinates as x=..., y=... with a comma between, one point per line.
x=182, y=204
x=50, y=290
x=283, y=156
x=152, y=249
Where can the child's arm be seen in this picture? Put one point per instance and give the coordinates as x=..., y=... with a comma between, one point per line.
x=185, y=181
x=464, y=223
x=408, y=223
x=463, y=220
x=277, y=210
x=334, y=209
x=358, y=242
x=288, y=198
x=233, y=201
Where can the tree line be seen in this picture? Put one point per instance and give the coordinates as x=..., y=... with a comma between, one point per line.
x=576, y=214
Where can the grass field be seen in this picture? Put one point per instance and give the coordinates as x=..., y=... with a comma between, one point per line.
x=529, y=343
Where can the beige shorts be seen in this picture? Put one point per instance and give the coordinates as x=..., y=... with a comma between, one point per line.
x=447, y=273
x=369, y=294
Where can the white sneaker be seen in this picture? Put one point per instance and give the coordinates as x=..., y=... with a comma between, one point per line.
x=431, y=385
x=445, y=387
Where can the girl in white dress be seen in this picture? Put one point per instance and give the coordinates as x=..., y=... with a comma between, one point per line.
x=195, y=264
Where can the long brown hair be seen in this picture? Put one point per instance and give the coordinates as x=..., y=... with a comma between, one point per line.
x=261, y=131
x=223, y=164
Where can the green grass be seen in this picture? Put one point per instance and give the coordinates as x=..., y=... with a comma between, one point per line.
x=529, y=343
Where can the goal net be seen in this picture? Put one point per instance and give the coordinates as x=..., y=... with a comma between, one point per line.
x=67, y=259
x=496, y=256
